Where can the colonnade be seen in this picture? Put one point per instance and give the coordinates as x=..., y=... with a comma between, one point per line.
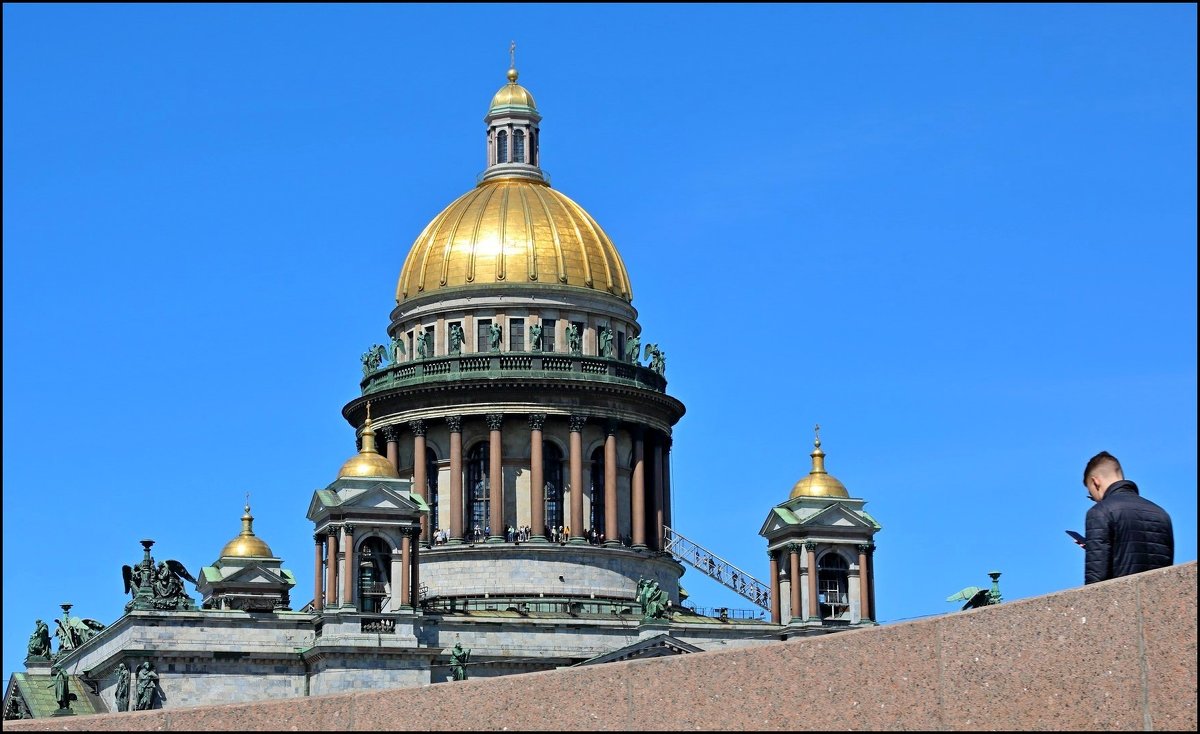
x=649, y=492
x=801, y=576
x=335, y=548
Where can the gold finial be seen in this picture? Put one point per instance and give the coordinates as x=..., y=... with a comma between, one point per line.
x=247, y=503
x=817, y=431
x=368, y=412
x=512, y=62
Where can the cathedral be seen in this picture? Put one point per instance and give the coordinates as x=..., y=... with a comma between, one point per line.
x=508, y=508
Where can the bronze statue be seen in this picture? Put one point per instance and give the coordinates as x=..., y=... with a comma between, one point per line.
x=535, y=337
x=458, y=661
x=424, y=344
x=62, y=688
x=168, y=583
x=73, y=631
x=606, y=341
x=132, y=575
x=39, y=641
x=653, y=599
x=495, y=334
x=372, y=358
x=574, y=340
x=397, y=350
x=146, y=684
x=631, y=349
x=122, y=694
x=456, y=338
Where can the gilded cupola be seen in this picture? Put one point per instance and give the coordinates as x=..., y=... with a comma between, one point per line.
x=368, y=462
x=247, y=544
x=819, y=483
x=512, y=228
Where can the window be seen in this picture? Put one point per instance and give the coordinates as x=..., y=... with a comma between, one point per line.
x=516, y=335
x=833, y=585
x=483, y=329
x=477, y=493
x=373, y=575
x=502, y=147
x=552, y=471
x=533, y=147
x=519, y=147
x=597, y=522
x=621, y=345
x=431, y=492
x=411, y=353
x=548, y=335
x=429, y=343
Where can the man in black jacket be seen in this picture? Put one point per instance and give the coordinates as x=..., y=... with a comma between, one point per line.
x=1126, y=533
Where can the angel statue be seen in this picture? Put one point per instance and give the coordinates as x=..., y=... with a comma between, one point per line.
x=397, y=350
x=456, y=338
x=574, y=339
x=653, y=599
x=606, y=341
x=631, y=348
x=495, y=334
x=535, y=337
x=73, y=631
x=168, y=582
x=132, y=575
x=976, y=597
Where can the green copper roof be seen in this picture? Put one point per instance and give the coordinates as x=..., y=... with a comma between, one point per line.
x=38, y=693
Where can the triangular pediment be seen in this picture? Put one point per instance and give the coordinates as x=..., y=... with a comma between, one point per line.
x=662, y=645
x=381, y=497
x=836, y=516
x=780, y=519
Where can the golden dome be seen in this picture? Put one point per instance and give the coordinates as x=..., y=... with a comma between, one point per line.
x=247, y=544
x=512, y=95
x=818, y=483
x=513, y=230
x=367, y=462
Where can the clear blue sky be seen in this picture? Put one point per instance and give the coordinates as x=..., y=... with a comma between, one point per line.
x=961, y=238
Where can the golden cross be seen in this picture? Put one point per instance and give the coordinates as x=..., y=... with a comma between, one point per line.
x=817, y=431
x=512, y=55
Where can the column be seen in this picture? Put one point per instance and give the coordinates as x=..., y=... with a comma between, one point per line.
x=638, y=491
x=390, y=435
x=814, y=612
x=456, y=480
x=659, y=495
x=537, y=479
x=414, y=572
x=400, y=582
x=794, y=570
x=348, y=567
x=318, y=599
x=420, y=480
x=611, y=528
x=775, y=614
x=864, y=588
x=668, y=520
x=871, y=578
x=495, y=478
x=576, y=463
x=331, y=545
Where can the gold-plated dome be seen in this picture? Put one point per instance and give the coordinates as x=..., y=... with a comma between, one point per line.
x=818, y=483
x=367, y=462
x=247, y=544
x=512, y=95
x=513, y=230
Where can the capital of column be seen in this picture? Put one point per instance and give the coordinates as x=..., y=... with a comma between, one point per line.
x=318, y=538
x=536, y=421
x=349, y=528
x=332, y=530
x=810, y=546
x=793, y=548
x=455, y=423
x=577, y=422
x=417, y=427
x=863, y=548
x=389, y=433
x=494, y=421
x=610, y=426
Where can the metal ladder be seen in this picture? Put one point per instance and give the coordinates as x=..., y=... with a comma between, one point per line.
x=717, y=568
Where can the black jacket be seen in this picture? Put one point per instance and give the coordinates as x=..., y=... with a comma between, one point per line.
x=1126, y=533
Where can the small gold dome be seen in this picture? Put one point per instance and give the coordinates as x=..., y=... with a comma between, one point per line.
x=818, y=483
x=513, y=230
x=512, y=95
x=247, y=544
x=367, y=462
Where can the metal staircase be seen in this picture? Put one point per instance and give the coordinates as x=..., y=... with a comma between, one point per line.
x=717, y=568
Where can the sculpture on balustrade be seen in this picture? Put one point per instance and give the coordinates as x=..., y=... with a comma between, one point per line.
x=456, y=338
x=424, y=345
x=653, y=598
x=495, y=334
x=397, y=350
x=574, y=339
x=658, y=359
x=372, y=358
x=458, y=661
x=39, y=641
x=535, y=337
x=74, y=631
x=606, y=342
x=631, y=349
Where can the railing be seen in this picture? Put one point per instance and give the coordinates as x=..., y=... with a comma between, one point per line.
x=532, y=365
x=717, y=568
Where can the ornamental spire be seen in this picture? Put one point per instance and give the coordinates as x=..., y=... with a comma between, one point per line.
x=818, y=456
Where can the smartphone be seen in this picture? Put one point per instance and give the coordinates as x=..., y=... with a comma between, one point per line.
x=1077, y=537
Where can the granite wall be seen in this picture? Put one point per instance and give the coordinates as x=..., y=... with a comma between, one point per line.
x=1116, y=655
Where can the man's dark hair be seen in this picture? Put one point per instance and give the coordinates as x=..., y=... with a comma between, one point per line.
x=1104, y=459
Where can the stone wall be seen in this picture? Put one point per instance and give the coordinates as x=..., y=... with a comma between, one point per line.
x=1116, y=655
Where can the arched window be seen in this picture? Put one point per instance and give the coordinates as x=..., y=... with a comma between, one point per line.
x=374, y=569
x=502, y=147
x=477, y=493
x=519, y=146
x=552, y=471
x=597, y=522
x=431, y=492
x=833, y=585
x=533, y=147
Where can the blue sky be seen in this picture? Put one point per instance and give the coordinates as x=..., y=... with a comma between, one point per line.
x=961, y=238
